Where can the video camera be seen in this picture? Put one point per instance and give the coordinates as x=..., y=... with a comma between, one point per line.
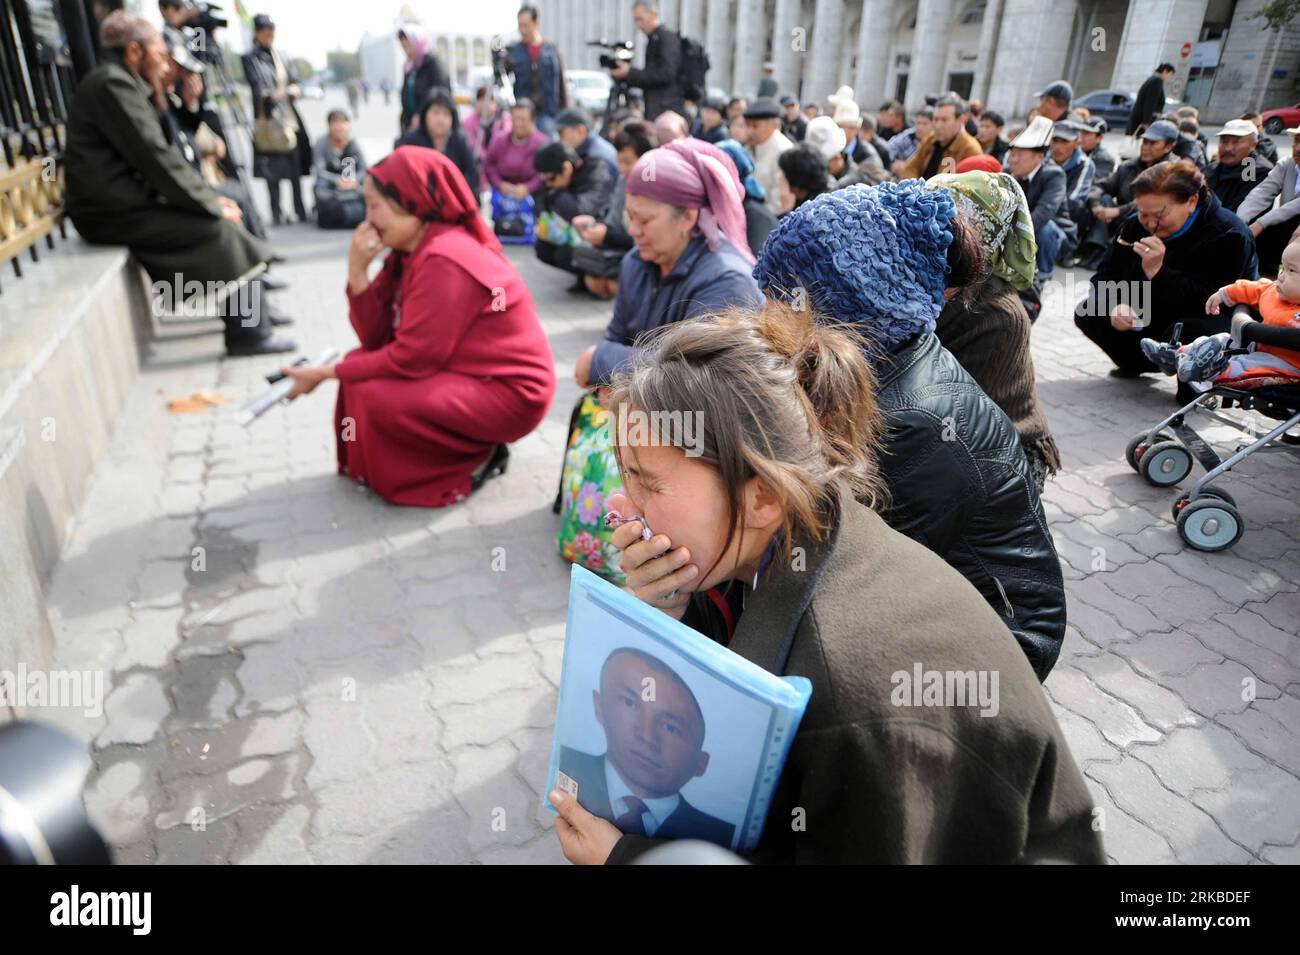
x=623, y=51
x=206, y=18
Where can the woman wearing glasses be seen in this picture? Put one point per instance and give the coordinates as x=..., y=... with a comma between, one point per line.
x=1179, y=247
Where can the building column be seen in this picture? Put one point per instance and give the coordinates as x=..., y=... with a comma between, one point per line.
x=590, y=30
x=719, y=31
x=670, y=11
x=823, y=58
x=1154, y=32
x=557, y=22
x=786, y=57
x=1032, y=46
x=989, y=36
x=874, y=40
x=691, y=20
x=751, y=43
x=929, y=52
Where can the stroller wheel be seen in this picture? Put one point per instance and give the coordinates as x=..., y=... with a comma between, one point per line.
x=1138, y=445
x=1210, y=525
x=1206, y=492
x=1165, y=463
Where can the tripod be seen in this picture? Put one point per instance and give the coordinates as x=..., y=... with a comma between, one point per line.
x=227, y=95
x=618, y=99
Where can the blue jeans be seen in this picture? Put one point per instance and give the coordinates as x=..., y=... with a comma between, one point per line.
x=1050, y=238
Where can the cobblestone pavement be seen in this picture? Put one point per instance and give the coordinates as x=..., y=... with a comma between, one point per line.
x=334, y=679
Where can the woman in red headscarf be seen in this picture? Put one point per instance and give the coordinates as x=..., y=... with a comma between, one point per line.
x=453, y=363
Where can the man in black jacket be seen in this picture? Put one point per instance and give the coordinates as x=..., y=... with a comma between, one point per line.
x=1238, y=168
x=661, y=77
x=1044, y=185
x=1150, y=101
x=574, y=187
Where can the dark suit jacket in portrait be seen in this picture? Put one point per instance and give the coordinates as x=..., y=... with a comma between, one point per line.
x=686, y=822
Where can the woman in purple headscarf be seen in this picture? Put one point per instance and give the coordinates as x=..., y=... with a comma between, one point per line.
x=424, y=72
x=685, y=214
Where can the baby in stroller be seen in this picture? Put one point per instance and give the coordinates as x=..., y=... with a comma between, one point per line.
x=1273, y=359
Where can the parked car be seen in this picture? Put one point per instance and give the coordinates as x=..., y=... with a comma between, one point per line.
x=589, y=89
x=1284, y=117
x=1112, y=105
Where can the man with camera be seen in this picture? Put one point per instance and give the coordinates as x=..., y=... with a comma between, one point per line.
x=661, y=77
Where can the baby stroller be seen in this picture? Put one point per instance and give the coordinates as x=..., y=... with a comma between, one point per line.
x=1207, y=516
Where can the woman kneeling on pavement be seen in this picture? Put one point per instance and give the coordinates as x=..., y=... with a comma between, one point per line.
x=789, y=441
x=685, y=212
x=453, y=363
x=1181, y=247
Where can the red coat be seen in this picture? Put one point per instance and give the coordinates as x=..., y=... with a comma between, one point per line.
x=453, y=361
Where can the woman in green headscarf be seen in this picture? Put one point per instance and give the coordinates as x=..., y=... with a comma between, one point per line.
x=987, y=329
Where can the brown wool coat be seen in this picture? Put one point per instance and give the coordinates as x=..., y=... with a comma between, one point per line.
x=880, y=782
x=989, y=336
x=962, y=147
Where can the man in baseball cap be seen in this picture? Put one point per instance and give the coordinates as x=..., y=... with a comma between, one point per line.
x=1091, y=132
x=1054, y=100
x=793, y=124
x=573, y=128
x=1238, y=168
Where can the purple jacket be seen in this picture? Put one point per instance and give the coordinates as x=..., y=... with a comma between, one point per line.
x=511, y=161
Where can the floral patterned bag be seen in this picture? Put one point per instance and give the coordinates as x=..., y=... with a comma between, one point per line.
x=590, y=476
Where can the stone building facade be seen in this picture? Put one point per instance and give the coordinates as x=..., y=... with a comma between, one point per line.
x=999, y=51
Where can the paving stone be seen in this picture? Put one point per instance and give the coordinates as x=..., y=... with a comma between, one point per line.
x=149, y=640
x=499, y=805
x=117, y=802
x=1192, y=832
x=1269, y=727
x=135, y=709
x=1126, y=839
x=1118, y=722
x=371, y=803
x=1166, y=654
x=272, y=836
x=1214, y=688
x=1131, y=615
x=1156, y=704
x=474, y=680
x=484, y=723
x=274, y=734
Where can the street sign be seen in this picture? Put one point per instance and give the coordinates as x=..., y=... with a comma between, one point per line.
x=1187, y=50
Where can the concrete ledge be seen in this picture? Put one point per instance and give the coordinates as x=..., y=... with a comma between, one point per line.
x=72, y=334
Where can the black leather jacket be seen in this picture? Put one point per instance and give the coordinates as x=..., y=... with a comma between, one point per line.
x=959, y=483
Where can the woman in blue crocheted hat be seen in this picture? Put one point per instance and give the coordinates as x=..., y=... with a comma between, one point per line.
x=885, y=259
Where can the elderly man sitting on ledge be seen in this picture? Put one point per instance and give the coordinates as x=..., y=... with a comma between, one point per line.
x=128, y=185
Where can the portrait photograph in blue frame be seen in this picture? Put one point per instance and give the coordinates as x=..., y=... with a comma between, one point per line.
x=662, y=731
